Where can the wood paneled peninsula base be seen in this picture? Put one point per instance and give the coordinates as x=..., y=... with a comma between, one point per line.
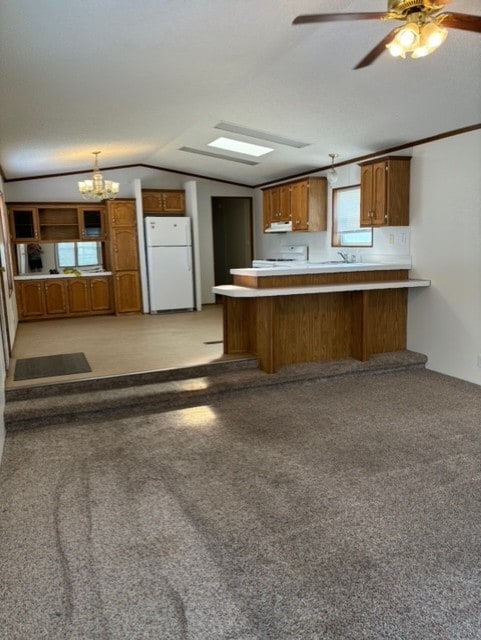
x=288, y=316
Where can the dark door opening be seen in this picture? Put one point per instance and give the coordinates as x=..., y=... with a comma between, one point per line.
x=232, y=233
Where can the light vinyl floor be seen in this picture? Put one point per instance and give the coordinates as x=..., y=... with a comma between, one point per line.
x=123, y=344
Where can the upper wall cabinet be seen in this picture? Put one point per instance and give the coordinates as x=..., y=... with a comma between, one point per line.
x=385, y=192
x=56, y=222
x=303, y=203
x=165, y=201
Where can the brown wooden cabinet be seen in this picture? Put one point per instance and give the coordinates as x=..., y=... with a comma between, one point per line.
x=23, y=223
x=127, y=292
x=30, y=299
x=100, y=294
x=43, y=222
x=304, y=202
x=91, y=223
x=55, y=297
x=78, y=296
x=309, y=205
x=42, y=298
x=385, y=192
x=165, y=201
x=90, y=295
x=124, y=256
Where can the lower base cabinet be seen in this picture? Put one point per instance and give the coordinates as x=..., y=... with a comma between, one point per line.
x=89, y=296
x=64, y=297
x=127, y=292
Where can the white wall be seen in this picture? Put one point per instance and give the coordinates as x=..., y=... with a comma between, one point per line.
x=444, y=322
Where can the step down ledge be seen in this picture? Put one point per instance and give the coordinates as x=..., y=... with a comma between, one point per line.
x=114, y=403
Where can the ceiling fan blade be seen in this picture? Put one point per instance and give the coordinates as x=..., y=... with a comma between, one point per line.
x=461, y=21
x=336, y=17
x=376, y=52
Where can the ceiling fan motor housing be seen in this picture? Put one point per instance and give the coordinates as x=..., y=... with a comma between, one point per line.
x=404, y=7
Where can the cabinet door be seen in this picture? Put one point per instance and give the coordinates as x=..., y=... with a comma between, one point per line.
x=91, y=222
x=100, y=294
x=367, y=196
x=284, y=203
x=379, y=217
x=300, y=206
x=173, y=202
x=78, y=295
x=125, y=253
x=23, y=223
x=152, y=202
x=31, y=299
x=267, y=208
x=55, y=298
x=127, y=292
x=122, y=214
x=275, y=196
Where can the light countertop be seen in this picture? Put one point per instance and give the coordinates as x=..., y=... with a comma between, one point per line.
x=48, y=276
x=319, y=267
x=235, y=291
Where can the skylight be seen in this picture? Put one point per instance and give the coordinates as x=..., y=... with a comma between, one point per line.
x=246, y=148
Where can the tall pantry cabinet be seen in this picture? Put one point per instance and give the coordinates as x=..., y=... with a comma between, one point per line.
x=124, y=255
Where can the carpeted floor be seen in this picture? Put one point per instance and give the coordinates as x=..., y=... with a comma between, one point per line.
x=335, y=510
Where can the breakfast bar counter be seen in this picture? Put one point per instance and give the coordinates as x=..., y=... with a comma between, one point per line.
x=313, y=313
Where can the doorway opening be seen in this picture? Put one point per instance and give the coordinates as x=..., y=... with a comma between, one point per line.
x=232, y=236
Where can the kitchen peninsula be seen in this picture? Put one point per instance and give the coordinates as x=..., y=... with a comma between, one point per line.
x=314, y=312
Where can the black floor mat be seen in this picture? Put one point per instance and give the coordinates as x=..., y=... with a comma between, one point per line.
x=50, y=366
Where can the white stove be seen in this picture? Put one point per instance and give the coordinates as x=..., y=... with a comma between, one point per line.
x=290, y=256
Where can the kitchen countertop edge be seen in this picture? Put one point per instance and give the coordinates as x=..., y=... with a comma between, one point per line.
x=235, y=291
x=48, y=276
x=321, y=268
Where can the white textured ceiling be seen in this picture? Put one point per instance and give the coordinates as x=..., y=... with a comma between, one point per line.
x=138, y=80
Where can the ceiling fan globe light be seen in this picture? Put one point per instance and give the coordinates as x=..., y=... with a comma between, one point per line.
x=433, y=36
x=408, y=36
x=332, y=176
x=396, y=50
x=421, y=51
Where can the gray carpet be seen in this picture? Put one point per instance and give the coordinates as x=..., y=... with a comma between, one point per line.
x=335, y=510
x=63, y=364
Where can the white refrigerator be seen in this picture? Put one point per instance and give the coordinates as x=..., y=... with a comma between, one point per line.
x=169, y=263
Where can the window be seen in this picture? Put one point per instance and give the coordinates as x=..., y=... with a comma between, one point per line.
x=346, y=215
x=78, y=254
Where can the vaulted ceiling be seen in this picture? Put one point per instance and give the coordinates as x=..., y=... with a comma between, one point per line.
x=150, y=82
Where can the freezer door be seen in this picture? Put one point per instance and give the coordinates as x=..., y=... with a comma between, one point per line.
x=171, y=284
x=171, y=231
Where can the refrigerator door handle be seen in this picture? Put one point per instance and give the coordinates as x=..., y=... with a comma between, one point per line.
x=189, y=261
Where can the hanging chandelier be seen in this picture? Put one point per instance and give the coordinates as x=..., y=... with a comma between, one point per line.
x=98, y=188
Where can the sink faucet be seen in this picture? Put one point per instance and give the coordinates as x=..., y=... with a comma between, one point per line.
x=344, y=256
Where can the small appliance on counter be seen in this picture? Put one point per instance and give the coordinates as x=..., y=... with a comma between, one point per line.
x=169, y=263
x=293, y=255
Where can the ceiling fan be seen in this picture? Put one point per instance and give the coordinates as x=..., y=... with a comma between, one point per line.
x=423, y=32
